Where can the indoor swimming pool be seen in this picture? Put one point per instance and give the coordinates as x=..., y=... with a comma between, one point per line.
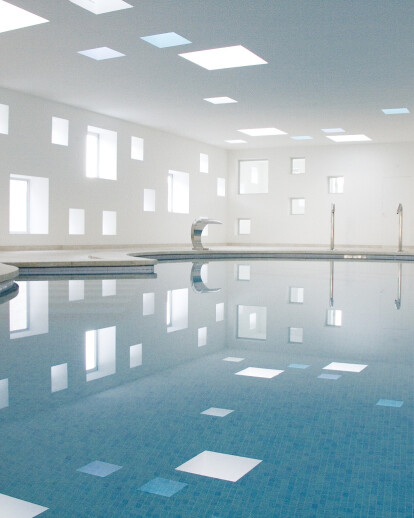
x=219, y=389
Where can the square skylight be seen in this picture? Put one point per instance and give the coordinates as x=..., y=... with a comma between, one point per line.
x=333, y=130
x=167, y=39
x=101, y=53
x=262, y=132
x=234, y=359
x=236, y=141
x=220, y=100
x=349, y=138
x=12, y=17
x=224, y=57
x=302, y=137
x=101, y=6
x=219, y=465
x=395, y=111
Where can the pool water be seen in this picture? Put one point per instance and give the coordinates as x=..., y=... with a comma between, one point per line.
x=220, y=390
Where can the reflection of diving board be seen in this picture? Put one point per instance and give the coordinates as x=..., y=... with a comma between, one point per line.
x=196, y=280
x=196, y=230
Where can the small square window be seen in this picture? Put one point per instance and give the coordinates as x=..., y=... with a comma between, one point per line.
x=4, y=119
x=296, y=295
x=297, y=206
x=298, y=166
x=149, y=200
x=178, y=192
x=60, y=131
x=101, y=153
x=336, y=184
x=253, y=176
x=137, y=148
x=244, y=226
x=203, y=163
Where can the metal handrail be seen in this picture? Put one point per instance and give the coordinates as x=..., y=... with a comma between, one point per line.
x=400, y=212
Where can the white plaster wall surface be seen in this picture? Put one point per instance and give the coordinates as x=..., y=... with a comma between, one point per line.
x=377, y=178
x=27, y=150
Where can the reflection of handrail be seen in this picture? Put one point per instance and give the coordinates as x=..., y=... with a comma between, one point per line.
x=331, y=285
x=196, y=230
x=400, y=212
x=332, y=226
x=398, y=299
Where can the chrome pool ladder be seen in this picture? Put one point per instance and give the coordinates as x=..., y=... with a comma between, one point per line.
x=400, y=212
x=332, y=226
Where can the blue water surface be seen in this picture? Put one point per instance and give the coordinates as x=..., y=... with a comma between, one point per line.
x=103, y=382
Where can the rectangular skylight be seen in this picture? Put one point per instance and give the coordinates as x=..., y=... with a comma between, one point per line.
x=220, y=100
x=12, y=17
x=167, y=39
x=260, y=132
x=302, y=137
x=333, y=130
x=101, y=53
x=349, y=138
x=224, y=57
x=101, y=6
x=395, y=111
x=236, y=141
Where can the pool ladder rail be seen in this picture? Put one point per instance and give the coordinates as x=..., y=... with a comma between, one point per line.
x=400, y=213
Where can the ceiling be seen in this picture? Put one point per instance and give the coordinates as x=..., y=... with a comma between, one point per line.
x=331, y=63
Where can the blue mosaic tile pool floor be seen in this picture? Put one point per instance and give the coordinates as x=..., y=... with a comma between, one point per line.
x=325, y=448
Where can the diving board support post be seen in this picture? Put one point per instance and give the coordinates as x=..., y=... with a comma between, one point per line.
x=196, y=230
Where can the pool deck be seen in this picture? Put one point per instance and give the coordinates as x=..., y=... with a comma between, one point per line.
x=141, y=259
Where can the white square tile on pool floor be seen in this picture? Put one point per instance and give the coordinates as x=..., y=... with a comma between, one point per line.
x=163, y=487
x=257, y=372
x=390, y=402
x=233, y=359
x=219, y=465
x=330, y=376
x=99, y=469
x=217, y=412
x=14, y=508
x=298, y=366
x=345, y=367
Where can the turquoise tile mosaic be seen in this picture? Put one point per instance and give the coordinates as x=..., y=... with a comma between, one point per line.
x=73, y=397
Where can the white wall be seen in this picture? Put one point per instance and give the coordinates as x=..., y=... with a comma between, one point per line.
x=377, y=178
x=27, y=150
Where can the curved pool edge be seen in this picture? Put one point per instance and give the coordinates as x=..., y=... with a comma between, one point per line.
x=8, y=274
x=141, y=262
x=180, y=255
